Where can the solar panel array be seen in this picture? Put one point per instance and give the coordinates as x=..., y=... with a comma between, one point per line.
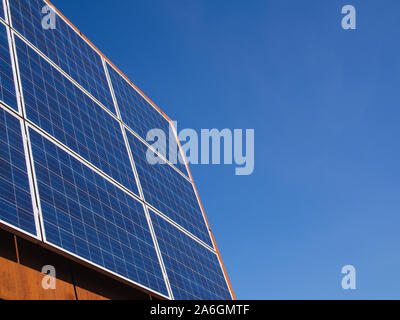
x=82, y=128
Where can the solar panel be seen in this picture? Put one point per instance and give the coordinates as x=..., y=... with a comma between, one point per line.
x=7, y=87
x=60, y=108
x=169, y=192
x=15, y=197
x=193, y=270
x=87, y=215
x=64, y=47
x=139, y=114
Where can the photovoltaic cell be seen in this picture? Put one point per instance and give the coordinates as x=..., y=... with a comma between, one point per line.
x=15, y=196
x=7, y=87
x=60, y=108
x=193, y=271
x=1, y=9
x=87, y=215
x=64, y=47
x=138, y=114
x=169, y=192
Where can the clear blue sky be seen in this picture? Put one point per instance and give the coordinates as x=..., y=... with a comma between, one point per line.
x=325, y=106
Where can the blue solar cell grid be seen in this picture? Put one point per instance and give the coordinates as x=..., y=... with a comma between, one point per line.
x=138, y=114
x=60, y=108
x=64, y=47
x=15, y=197
x=169, y=192
x=193, y=271
x=87, y=215
x=1, y=9
x=7, y=87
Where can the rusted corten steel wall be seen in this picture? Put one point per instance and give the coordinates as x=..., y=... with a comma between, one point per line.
x=21, y=263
